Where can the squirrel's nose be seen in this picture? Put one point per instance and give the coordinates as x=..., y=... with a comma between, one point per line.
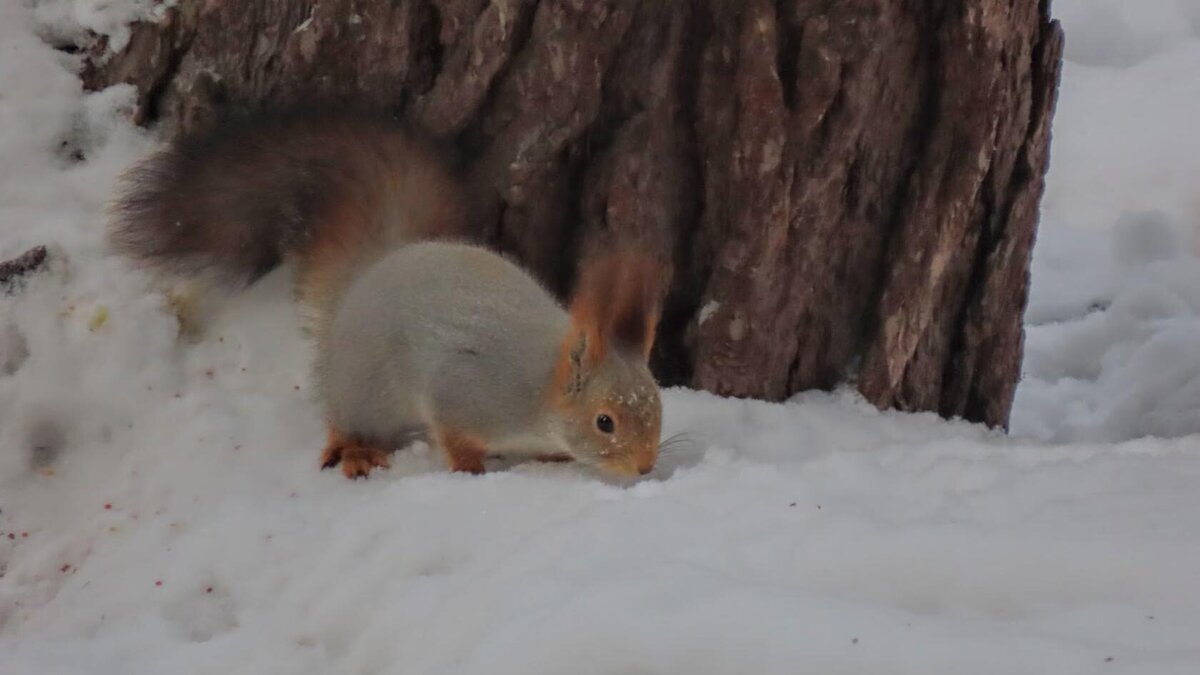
x=643, y=470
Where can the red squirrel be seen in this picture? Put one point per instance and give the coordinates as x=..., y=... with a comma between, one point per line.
x=417, y=333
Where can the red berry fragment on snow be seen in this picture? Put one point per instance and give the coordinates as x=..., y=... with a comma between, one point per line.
x=108, y=506
x=158, y=583
x=208, y=590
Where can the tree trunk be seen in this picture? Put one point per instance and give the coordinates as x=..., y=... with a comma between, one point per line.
x=844, y=190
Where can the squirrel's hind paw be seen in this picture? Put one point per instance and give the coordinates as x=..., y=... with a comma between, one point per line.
x=356, y=459
x=331, y=457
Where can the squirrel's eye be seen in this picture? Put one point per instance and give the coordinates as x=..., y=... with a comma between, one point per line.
x=604, y=423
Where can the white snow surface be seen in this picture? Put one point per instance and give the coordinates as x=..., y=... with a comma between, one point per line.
x=1111, y=348
x=161, y=511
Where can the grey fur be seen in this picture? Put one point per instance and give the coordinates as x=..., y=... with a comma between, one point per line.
x=453, y=335
x=445, y=334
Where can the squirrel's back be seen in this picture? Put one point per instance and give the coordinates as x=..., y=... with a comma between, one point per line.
x=469, y=333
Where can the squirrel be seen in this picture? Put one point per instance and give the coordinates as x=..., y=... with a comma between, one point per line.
x=419, y=332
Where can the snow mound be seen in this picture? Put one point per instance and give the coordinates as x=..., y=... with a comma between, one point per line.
x=1119, y=361
x=1111, y=325
x=1120, y=33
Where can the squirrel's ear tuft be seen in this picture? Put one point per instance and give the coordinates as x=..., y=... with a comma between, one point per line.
x=616, y=304
x=573, y=364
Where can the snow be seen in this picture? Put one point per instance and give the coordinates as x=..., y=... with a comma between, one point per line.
x=72, y=21
x=1115, y=301
x=166, y=514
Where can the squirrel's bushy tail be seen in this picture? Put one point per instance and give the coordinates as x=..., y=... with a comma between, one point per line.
x=330, y=190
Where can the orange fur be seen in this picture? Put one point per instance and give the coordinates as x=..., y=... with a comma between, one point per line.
x=614, y=310
x=355, y=457
x=464, y=452
x=329, y=258
x=615, y=306
x=401, y=193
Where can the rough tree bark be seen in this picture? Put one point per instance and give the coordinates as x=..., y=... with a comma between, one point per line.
x=842, y=189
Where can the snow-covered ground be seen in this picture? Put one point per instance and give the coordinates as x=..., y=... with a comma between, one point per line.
x=160, y=510
x=1112, y=348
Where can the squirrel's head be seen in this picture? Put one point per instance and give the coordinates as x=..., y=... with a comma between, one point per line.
x=604, y=392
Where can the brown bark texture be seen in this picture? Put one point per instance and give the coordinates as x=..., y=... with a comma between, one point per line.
x=841, y=190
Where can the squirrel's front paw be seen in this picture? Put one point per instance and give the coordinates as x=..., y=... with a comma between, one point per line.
x=357, y=459
x=464, y=452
